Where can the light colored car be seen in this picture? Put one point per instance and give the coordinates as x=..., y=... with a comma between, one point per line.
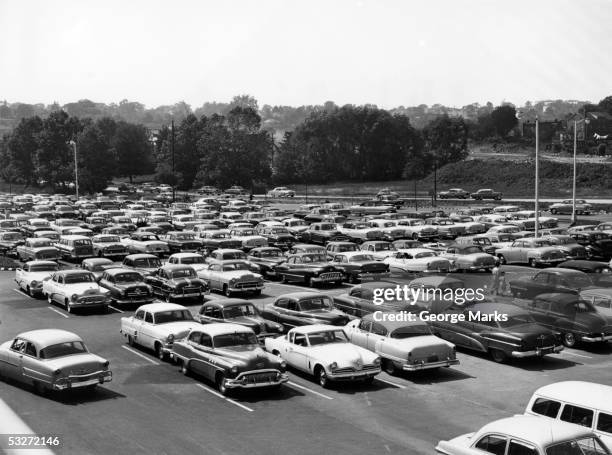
x=402, y=346
x=145, y=242
x=281, y=191
x=195, y=260
x=230, y=277
x=417, y=229
x=362, y=231
x=606, y=228
x=52, y=359
x=31, y=276
x=566, y=207
x=469, y=257
x=417, y=260
x=37, y=248
x=390, y=229
x=248, y=237
x=325, y=352
x=108, y=245
x=535, y=252
x=525, y=435
x=157, y=325
x=75, y=289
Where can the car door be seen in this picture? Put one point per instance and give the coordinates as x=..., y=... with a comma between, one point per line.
x=30, y=365
x=542, y=312
x=539, y=284
x=359, y=335
x=12, y=362
x=146, y=333
x=378, y=333
x=215, y=275
x=297, y=351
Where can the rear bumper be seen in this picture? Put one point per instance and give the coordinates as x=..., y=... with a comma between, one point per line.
x=596, y=339
x=538, y=352
x=429, y=365
x=77, y=381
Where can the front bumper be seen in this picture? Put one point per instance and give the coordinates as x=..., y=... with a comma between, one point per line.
x=187, y=295
x=354, y=375
x=134, y=300
x=537, y=352
x=249, y=288
x=554, y=261
x=256, y=379
x=422, y=365
x=77, y=381
x=373, y=275
x=592, y=338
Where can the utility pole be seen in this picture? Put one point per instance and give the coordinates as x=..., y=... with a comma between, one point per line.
x=173, y=172
x=76, y=169
x=537, y=178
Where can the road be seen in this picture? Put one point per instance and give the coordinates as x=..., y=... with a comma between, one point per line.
x=151, y=408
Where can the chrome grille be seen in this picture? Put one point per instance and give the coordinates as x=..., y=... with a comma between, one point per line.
x=246, y=284
x=331, y=276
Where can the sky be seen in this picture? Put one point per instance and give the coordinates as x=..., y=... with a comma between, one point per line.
x=384, y=52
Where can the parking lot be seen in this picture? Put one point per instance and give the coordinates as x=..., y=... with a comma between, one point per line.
x=151, y=407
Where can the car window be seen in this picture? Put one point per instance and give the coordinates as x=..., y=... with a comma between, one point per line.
x=520, y=448
x=300, y=339
x=604, y=422
x=378, y=329
x=30, y=349
x=492, y=444
x=216, y=313
x=139, y=315
x=148, y=318
x=577, y=415
x=365, y=325
x=541, y=278
x=18, y=345
x=281, y=303
x=206, y=341
x=194, y=337
x=546, y=407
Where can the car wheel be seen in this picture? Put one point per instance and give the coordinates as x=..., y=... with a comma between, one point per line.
x=369, y=380
x=498, y=355
x=29, y=291
x=532, y=263
x=220, y=381
x=553, y=211
x=502, y=260
x=569, y=340
x=184, y=367
x=40, y=389
x=226, y=291
x=130, y=340
x=415, y=236
x=322, y=377
x=159, y=352
x=389, y=366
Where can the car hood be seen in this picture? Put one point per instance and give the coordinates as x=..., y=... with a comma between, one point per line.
x=344, y=354
x=84, y=288
x=240, y=274
x=179, y=329
x=326, y=316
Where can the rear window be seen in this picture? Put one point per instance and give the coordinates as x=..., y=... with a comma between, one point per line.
x=577, y=415
x=604, y=422
x=546, y=407
x=492, y=444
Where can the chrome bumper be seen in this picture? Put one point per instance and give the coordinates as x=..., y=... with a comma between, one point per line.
x=76, y=381
x=538, y=352
x=242, y=381
x=353, y=375
x=597, y=339
x=427, y=366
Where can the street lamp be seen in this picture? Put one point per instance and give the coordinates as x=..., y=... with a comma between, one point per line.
x=76, y=169
x=586, y=122
x=173, y=172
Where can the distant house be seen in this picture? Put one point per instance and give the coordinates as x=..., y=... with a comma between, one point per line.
x=548, y=130
x=597, y=126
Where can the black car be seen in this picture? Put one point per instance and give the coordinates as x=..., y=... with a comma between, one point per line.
x=367, y=298
x=238, y=311
x=126, y=286
x=502, y=330
x=181, y=242
x=322, y=233
x=577, y=319
x=212, y=240
x=267, y=258
x=277, y=236
x=310, y=269
x=304, y=308
x=176, y=281
x=359, y=266
x=555, y=279
x=598, y=244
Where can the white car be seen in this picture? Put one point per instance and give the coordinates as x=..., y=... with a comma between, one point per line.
x=249, y=238
x=145, y=242
x=281, y=191
x=157, y=325
x=232, y=276
x=195, y=260
x=417, y=229
x=390, y=229
x=75, y=289
x=417, y=260
x=525, y=435
x=325, y=352
x=31, y=276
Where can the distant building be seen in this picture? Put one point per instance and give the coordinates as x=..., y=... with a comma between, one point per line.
x=548, y=130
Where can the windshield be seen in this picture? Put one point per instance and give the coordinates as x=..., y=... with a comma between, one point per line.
x=41, y=243
x=246, y=232
x=234, y=339
x=44, y=268
x=147, y=263
x=183, y=273
x=362, y=258
x=411, y=331
x=193, y=260
x=63, y=349
x=270, y=254
x=328, y=227
x=235, y=311
x=314, y=258
x=382, y=247
x=108, y=239
x=471, y=250
x=280, y=230
x=541, y=243
x=164, y=317
x=505, y=238
x=128, y=277
x=316, y=304
x=218, y=235
x=12, y=236
x=235, y=266
x=235, y=255
x=82, y=242
x=482, y=241
x=589, y=445
x=185, y=236
x=344, y=248
x=329, y=336
x=517, y=319
x=79, y=278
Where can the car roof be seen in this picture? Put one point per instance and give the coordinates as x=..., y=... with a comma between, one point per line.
x=97, y=261
x=46, y=337
x=141, y=256
x=161, y=306
x=118, y=270
x=537, y=430
x=228, y=302
x=416, y=250
x=306, y=329
x=302, y=295
x=592, y=395
x=185, y=255
x=40, y=263
x=176, y=266
x=222, y=328
x=72, y=272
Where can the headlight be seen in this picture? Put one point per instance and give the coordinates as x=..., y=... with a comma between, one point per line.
x=233, y=280
x=170, y=338
x=333, y=366
x=377, y=361
x=234, y=370
x=105, y=365
x=283, y=365
x=34, y=283
x=74, y=297
x=57, y=372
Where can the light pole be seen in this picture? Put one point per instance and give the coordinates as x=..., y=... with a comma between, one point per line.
x=537, y=177
x=76, y=169
x=173, y=173
x=586, y=121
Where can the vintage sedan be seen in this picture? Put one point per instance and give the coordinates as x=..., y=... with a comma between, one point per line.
x=309, y=268
x=281, y=191
x=525, y=435
x=567, y=244
x=594, y=267
x=181, y=241
x=358, y=266
x=577, y=319
x=304, y=308
x=177, y=281
x=75, y=289
x=126, y=286
x=486, y=193
x=361, y=231
x=30, y=277
x=333, y=248
x=447, y=228
x=277, y=236
x=157, y=326
x=417, y=260
x=366, y=298
x=266, y=258
x=194, y=260
x=417, y=229
x=38, y=248
x=502, y=330
x=230, y=356
x=142, y=263
x=10, y=240
x=144, y=242
x=566, y=207
x=598, y=244
x=52, y=359
x=230, y=277
x=97, y=265
x=108, y=246
x=469, y=257
x=325, y=352
x=295, y=226
x=402, y=345
x=532, y=251
x=215, y=239
x=322, y=233
x=454, y=193
x=378, y=249
x=238, y=311
x=555, y=279
x=374, y=207
x=248, y=238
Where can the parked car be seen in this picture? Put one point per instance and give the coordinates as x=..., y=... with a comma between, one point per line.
x=598, y=244
x=469, y=257
x=238, y=311
x=325, y=352
x=230, y=356
x=52, y=359
x=358, y=266
x=577, y=319
x=535, y=252
x=97, y=265
x=145, y=264
x=309, y=268
x=126, y=287
x=37, y=248
x=374, y=207
x=333, y=248
x=566, y=207
x=361, y=231
x=595, y=267
x=567, y=244
x=107, y=245
x=212, y=240
x=304, y=308
x=177, y=281
x=231, y=277
x=525, y=435
x=402, y=346
x=9, y=241
x=75, y=289
x=156, y=326
x=194, y=260
x=454, y=193
x=486, y=193
x=555, y=279
x=502, y=330
x=31, y=276
x=322, y=233
x=181, y=241
x=360, y=300
x=417, y=260
x=144, y=242
x=266, y=258
x=378, y=249
x=277, y=236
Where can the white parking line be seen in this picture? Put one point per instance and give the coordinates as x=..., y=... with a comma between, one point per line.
x=240, y=405
x=576, y=355
x=20, y=292
x=12, y=424
x=140, y=355
x=58, y=312
x=116, y=309
x=399, y=386
x=309, y=390
x=301, y=288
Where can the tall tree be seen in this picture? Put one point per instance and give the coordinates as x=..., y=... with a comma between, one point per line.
x=133, y=150
x=95, y=159
x=504, y=119
x=21, y=148
x=446, y=140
